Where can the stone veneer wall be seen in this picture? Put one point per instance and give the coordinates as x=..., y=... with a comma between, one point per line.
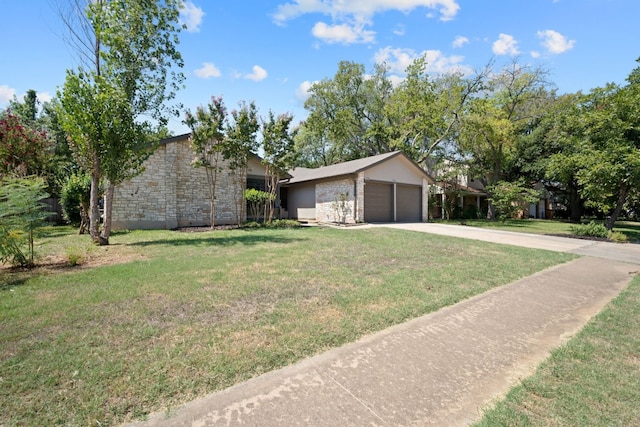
x=172, y=193
x=425, y=200
x=327, y=194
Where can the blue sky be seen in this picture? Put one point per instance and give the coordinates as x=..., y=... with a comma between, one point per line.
x=270, y=51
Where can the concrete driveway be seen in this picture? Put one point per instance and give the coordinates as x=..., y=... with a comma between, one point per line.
x=625, y=252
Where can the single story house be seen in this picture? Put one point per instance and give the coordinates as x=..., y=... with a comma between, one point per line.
x=388, y=187
x=172, y=193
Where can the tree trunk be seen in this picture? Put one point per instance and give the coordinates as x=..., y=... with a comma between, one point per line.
x=575, y=204
x=622, y=197
x=106, y=222
x=94, y=202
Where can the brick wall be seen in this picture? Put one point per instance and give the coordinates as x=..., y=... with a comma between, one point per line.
x=328, y=197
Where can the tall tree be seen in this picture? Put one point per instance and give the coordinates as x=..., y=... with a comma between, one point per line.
x=425, y=111
x=606, y=148
x=513, y=99
x=347, y=112
x=112, y=102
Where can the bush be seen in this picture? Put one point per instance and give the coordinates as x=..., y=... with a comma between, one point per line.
x=592, y=229
x=276, y=223
x=617, y=236
x=257, y=200
x=75, y=198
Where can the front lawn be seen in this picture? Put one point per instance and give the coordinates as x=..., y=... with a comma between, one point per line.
x=161, y=317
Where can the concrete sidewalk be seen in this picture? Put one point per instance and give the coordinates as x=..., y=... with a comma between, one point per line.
x=440, y=369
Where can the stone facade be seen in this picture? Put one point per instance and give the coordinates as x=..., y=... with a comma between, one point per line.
x=171, y=193
x=335, y=201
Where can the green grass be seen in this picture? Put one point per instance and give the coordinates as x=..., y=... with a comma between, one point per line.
x=159, y=317
x=594, y=380
x=541, y=226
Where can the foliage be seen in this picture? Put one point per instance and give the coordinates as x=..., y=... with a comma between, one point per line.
x=592, y=229
x=277, y=146
x=207, y=138
x=239, y=146
x=617, y=236
x=510, y=198
x=276, y=223
x=75, y=199
x=22, y=214
x=515, y=99
x=257, y=201
x=24, y=150
x=131, y=51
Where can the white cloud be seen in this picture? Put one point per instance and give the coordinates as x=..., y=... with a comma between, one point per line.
x=6, y=94
x=302, y=92
x=207, y=71
x=191, y=15
x=555, y=42
x=258, y=74
x=350, y=17
x=398, y=59
x=362, y=8
x=399, y=30
x=535, y=54
x=342, y=33
x=505, y=45
x=460, y=41
x=44, y=97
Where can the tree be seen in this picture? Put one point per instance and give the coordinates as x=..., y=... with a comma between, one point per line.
x=426, y=111
x=239, y=146
x=207, y=141
x=607, y=152
x=277, y=145
x=111, y=103
x=347, y=114
x=509, y=198
x=514, y=99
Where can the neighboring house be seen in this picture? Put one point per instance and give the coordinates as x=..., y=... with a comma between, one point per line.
x=171, y=193
x=384, y=188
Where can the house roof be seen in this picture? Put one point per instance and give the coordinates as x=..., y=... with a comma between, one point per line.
x=345, y=168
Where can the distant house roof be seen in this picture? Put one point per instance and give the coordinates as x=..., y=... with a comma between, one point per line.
x=345, y=168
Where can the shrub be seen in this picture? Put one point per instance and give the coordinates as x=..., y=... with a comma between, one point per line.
x=75, y=198
x=257, y=201
x=617, y=236
x=592, y=229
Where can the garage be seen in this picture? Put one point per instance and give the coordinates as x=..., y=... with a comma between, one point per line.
x=408, y=203
x=378, y=202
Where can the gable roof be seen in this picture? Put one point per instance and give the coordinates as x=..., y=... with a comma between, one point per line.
x=346, y=168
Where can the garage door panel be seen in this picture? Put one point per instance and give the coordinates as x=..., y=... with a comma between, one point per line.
x=408, y=203
x=378, y=204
